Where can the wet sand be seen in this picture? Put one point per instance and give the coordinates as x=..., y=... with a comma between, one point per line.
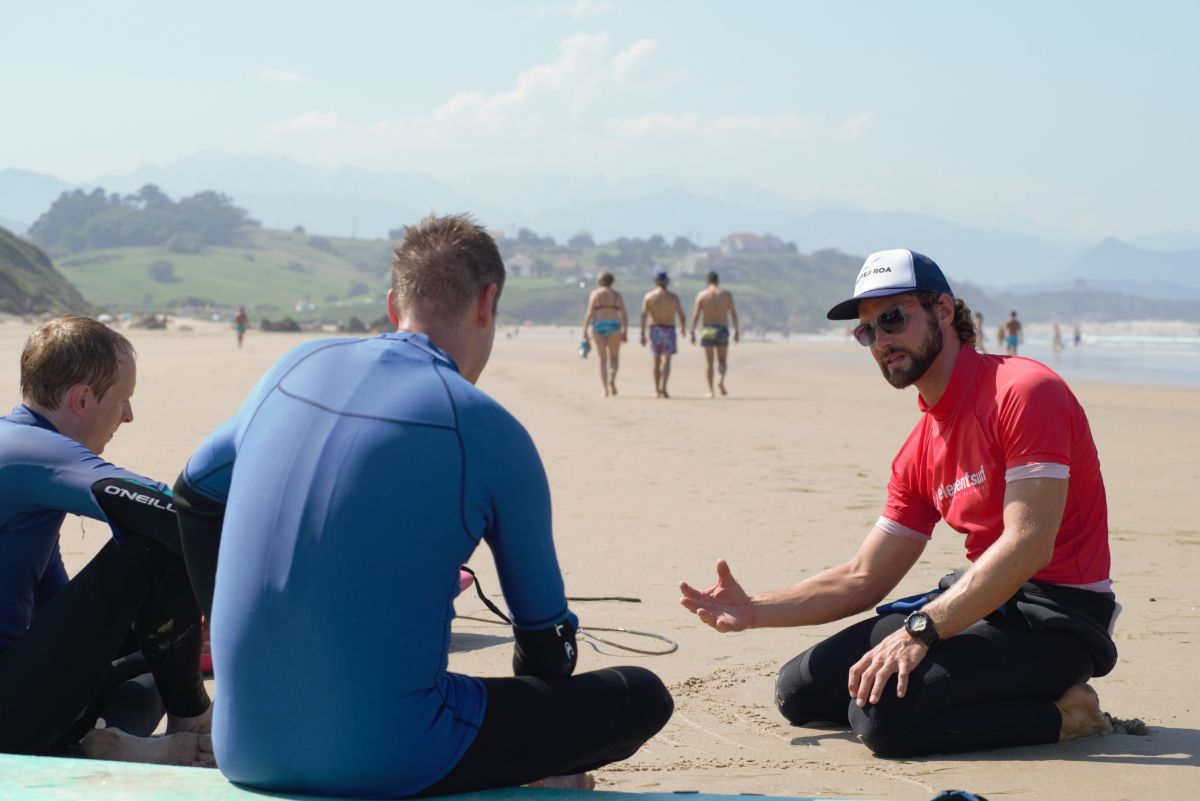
x=782, y=478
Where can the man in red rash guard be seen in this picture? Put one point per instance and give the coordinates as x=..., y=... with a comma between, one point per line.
x=1000, y=653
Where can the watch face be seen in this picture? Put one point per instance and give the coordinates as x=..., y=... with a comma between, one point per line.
x=918, y=623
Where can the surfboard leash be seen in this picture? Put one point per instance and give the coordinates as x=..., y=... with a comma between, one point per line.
x=586, y=631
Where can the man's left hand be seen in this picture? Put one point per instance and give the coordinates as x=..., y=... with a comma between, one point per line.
x=899, y=653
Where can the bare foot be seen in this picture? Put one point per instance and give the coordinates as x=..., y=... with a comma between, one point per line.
x=574, y=781
x=200, y=724
x=721, y=386
x=1081, y=715
x=181, y=748
x=709, y=394
x=613, y=388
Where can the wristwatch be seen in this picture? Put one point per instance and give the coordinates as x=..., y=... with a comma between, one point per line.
x=920, y=627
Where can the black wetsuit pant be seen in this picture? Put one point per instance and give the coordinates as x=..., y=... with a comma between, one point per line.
x=991, y=686
x=534, y=728
x=129, y=611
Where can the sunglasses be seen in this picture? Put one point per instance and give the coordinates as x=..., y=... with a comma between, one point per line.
x=892, y=321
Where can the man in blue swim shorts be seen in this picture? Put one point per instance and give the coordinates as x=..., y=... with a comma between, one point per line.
x=94, y=658
x=662, y=306
x=357, y=477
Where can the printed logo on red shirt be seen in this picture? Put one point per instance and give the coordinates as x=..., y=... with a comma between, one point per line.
x=965, y=481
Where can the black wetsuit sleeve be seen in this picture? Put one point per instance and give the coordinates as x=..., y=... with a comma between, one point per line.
x=200, y=520
x=138, y=508
x=545, y=653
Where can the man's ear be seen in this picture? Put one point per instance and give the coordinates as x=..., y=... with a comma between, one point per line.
x=78, y=399
x=485, y=307
x=391, y=309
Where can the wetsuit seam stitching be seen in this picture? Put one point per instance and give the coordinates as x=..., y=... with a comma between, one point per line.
x=361, y=416
x=462, y=452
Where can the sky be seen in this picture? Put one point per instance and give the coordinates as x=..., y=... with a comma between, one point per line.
x=1079, y=117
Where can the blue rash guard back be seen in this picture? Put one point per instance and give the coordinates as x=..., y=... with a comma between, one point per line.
x=357, y=477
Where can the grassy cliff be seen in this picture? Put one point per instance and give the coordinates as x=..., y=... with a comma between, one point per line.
x=29, y=284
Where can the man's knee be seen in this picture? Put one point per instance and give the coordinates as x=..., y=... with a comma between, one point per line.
x=647, y=698
x=885, y=728
x=797, y=695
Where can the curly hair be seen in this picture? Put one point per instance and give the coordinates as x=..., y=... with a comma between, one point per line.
x=964, y=323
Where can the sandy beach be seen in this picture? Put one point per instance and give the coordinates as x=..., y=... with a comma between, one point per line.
x=782, y=478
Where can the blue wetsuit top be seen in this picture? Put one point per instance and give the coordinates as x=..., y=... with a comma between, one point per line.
x=357, y=477
x=44, y=475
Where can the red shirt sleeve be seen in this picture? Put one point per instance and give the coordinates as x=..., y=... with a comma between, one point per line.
x=1036, y=420
x=910, y=502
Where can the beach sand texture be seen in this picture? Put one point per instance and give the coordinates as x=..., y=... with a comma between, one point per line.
x=782, y=478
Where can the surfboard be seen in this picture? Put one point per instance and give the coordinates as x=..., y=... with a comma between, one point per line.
x=26, y=778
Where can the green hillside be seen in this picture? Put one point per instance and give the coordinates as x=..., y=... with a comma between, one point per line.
x=271, y=273
x=288, y=273
x=29, y=284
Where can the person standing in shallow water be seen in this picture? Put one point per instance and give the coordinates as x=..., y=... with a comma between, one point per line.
x=1013, y=334
x=608, y=325
x=1004, y=454
x=662, y=306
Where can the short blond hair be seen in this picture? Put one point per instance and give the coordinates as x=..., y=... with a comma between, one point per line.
x=443, y=263
x=69, y=350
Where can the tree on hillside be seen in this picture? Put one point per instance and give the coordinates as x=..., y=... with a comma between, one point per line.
x=80, y=220
x=581, y=241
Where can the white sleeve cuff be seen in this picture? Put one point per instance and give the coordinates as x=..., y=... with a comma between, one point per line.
x=1037, y=470
x=897, y=530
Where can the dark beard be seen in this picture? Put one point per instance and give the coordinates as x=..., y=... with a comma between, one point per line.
x=931, y=346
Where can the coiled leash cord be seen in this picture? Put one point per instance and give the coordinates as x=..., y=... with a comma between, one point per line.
x=585, y=631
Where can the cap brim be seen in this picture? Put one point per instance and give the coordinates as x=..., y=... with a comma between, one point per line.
x=846, y=310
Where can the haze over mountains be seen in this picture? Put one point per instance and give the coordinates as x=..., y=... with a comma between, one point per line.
x=283, y=193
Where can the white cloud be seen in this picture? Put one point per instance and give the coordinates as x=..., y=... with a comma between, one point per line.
x=857, y=126
x=593, y=106
x=279, y=76
x=628, y=60
x=658, y=125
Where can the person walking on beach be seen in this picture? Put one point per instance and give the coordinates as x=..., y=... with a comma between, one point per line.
x=240, y=321
x=334, y=510
x=120, y=640
x=998, y=654
x=661, y=306
x=1013, y=335
x=715, y=306
x=979, y=344
x=609, y=325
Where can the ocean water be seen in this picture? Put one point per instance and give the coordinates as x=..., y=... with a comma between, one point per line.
x=1157, y=360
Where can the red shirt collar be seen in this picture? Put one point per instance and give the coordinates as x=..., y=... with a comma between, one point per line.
x=961, y=379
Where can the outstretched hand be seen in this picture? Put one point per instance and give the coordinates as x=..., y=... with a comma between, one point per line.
x=725, y=605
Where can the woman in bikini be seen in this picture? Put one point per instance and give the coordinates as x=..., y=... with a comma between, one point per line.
x=609, y=328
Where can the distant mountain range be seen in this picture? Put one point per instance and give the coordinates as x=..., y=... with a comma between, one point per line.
x=282, y=193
